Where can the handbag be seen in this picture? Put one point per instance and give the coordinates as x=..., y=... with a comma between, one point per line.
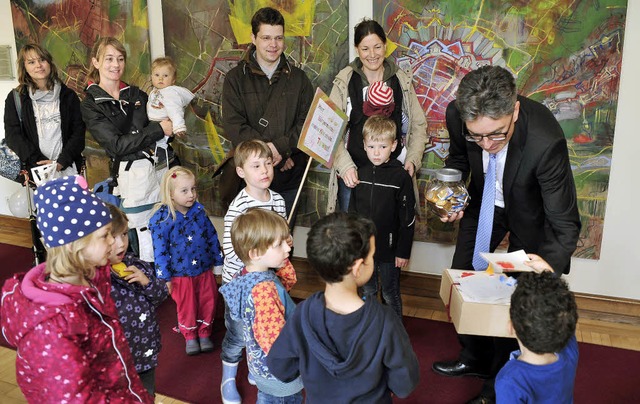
x=10, y=164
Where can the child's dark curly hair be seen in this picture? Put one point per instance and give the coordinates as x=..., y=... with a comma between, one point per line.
x=543, y=312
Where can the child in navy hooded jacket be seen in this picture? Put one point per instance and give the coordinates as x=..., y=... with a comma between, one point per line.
x=346, y=350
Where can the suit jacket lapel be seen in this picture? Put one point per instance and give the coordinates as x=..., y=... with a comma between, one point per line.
x=512, y=163
x=476, y=166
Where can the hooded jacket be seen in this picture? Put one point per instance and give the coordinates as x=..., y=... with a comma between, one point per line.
x=361, y=357
x=106, y=117
x=136, y=305
x=260, y=300
x=71, y=347
x=185, y=246
x=22, y=138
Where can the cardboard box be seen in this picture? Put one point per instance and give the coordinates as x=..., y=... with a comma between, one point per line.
x=470, y=317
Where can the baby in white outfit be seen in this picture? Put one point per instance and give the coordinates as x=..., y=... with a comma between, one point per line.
x=167, y=100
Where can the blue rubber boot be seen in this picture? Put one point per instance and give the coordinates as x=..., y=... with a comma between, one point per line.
x=251, y=379
x=228, y=388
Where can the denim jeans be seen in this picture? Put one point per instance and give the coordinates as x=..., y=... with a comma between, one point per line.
x=264, y=398
x=390, y=281
x=233, y=342
x=344, y=196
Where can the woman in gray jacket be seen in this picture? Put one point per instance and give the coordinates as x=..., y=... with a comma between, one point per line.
x=349, y=92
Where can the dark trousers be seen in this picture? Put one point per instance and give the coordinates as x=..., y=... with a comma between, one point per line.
x=389, y=281
x=488, y=353
x=148, y=379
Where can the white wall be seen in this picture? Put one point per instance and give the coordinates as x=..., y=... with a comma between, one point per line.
x=617, y=273
x=6, y=38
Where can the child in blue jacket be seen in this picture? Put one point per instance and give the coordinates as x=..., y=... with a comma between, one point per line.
x=186, y=249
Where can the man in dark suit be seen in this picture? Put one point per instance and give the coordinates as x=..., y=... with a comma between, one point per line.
x=534, y=197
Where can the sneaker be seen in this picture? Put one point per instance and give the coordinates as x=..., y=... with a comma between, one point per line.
x=251, y=379
x=206, y=345
x=193, y=347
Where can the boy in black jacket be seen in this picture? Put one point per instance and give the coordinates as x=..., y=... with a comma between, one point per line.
x=345, y=350
x=385, y=195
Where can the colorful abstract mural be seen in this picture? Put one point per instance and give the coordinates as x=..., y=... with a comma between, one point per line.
x=68, y=29
x=208, y=37
x=565, y=53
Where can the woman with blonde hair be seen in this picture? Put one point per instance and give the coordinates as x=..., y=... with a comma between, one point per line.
x=116, y=116
x=60, y=315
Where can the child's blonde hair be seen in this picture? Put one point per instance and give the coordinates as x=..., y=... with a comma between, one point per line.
x=168, y=186
x=165, y=61
x=119, y=220
x=257, y=229
x=379, y=128
x=248, y=148
x=68, y=260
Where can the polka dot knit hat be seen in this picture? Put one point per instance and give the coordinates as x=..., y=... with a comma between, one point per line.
x=68, y=211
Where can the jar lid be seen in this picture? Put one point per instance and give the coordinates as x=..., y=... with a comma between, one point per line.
x=449, y=175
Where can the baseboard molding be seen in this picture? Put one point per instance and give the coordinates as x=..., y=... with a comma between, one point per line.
x=425, y=286
x=422, y=288
x=14, y=222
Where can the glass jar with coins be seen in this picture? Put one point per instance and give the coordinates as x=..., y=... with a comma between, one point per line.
x=446, y=194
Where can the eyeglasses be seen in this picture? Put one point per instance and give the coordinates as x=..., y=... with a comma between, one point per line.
x=267, y=38
x=496, y=137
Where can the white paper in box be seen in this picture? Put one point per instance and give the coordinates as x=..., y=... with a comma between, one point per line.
x=489, y=319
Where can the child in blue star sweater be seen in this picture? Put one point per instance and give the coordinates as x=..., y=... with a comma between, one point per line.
x=186, y=249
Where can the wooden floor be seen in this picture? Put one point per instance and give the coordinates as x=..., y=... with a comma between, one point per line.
x=590, y=329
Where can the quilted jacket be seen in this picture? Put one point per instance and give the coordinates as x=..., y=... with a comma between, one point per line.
x=71, y=347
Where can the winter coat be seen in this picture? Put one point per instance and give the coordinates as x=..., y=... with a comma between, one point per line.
x=137, y=306
x=262, y=302
x=23, y=138
x=71, y=347
x=186, y=246
x=106, y=117
x=272, y=110
x=360, y=357
x=416, y=136
x=385, y=195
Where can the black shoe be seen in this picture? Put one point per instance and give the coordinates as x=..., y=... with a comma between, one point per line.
x=481, y=400
x=457, y=369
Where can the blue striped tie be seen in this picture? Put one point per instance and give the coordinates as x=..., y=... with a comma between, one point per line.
x=485, y=222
